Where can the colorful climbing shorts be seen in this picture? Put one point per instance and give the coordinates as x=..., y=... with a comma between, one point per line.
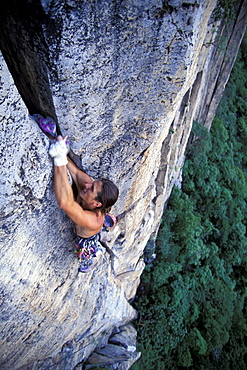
x=87, y=249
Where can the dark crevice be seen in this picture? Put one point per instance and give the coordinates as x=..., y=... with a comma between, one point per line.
x=165, y=9
x=163, y=164
x=188, y=5
x=25, y=52
x=184, y=103
x=195, y=88
x=59, y=286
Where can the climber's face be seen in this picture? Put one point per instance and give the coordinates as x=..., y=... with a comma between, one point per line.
x=89, y=194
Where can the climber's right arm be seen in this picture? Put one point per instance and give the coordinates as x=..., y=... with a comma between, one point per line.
x=89, y=220
x=79, y=177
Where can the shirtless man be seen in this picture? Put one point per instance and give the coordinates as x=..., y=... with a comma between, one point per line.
x=94, y=198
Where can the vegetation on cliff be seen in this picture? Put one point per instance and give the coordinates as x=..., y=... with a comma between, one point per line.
x=192, y=301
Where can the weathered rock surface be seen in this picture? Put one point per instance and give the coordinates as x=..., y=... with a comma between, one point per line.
x=120, y=350
x=124, y=80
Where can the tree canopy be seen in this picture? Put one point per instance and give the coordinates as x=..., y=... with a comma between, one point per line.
x=192, y=299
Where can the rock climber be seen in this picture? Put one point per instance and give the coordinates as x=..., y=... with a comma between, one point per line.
x=88, y=208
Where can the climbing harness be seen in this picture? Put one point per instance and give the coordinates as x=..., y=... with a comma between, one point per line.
x=87, y=248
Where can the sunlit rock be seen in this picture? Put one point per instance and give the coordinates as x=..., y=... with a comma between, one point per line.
x=124, y=80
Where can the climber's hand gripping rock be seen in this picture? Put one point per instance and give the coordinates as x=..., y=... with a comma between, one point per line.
x=59, y=150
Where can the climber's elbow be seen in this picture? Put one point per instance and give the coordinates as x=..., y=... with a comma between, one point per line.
x=63, y=204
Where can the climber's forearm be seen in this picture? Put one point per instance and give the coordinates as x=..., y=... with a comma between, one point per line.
x=63, y=190
x=72, y=169
x=79, y=177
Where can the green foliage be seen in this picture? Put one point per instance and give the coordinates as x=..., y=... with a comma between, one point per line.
x=224, y=9
x=192, y=302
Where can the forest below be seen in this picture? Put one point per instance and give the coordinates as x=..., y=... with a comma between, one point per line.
x=192, y=298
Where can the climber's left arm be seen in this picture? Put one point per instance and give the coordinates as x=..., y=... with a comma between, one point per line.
x=80, y=178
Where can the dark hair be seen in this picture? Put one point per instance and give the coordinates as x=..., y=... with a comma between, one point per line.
x=108, y=195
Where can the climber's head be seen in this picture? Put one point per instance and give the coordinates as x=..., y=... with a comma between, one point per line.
x=99, y=195
x=107, y=196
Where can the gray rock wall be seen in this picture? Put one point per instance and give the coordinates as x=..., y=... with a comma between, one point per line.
x=124, y=80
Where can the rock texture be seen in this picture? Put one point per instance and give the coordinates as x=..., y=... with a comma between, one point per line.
x=124, y=80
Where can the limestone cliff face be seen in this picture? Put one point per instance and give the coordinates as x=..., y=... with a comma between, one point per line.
x=124, y=80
